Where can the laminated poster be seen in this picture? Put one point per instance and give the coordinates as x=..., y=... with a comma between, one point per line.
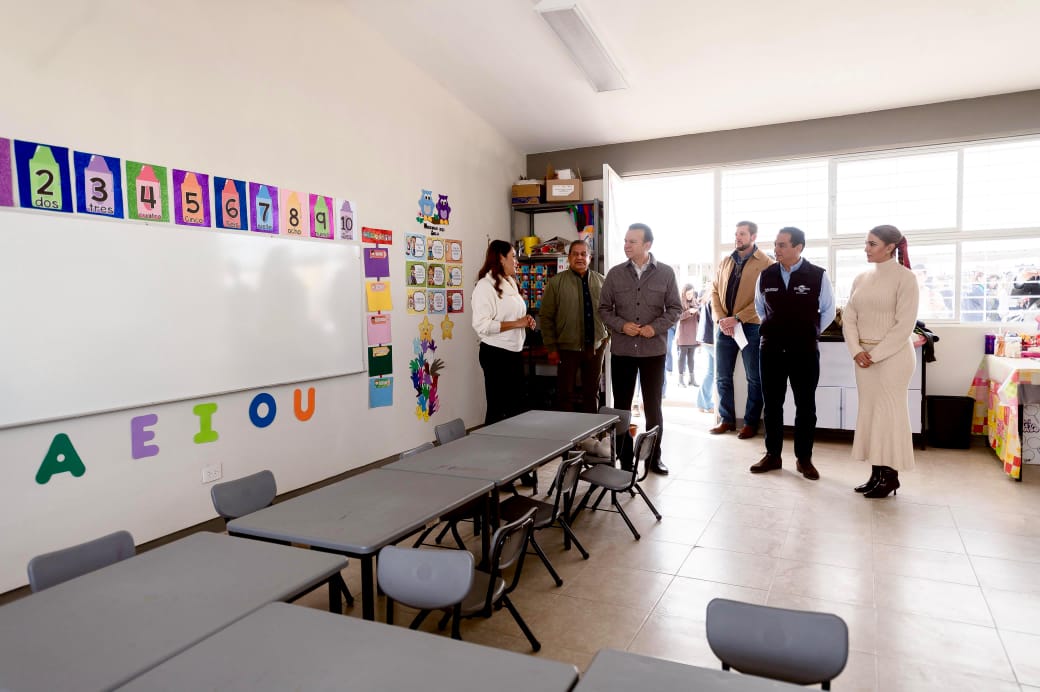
x=6, y=184
x=99, y=184
x=415, y=247
x=436, y=277
x=377, y=296
x=345, y=220
x=147, y=192
x=380, y=360
x=380, y=392
x=435, y=248
x=190, y=198
x=416, y=301
x=231, y=213
x=454, y=250
x=455, y=301
x=321, y=209
x=263, y=203
x=415, y=273
x=377, y=262
x=454, y=276
x=379, y=329
x=438, y=302
x=291, y=212
x=44, y=178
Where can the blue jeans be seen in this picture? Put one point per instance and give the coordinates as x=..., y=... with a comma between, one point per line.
x=726, y=351
x=706, y=393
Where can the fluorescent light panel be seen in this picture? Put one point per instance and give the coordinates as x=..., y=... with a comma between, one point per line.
x=570, y=24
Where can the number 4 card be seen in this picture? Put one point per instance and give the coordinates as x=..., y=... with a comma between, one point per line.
x=147, y=192
x=99, y=184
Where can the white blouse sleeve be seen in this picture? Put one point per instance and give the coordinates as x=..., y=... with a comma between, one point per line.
x=484, y=304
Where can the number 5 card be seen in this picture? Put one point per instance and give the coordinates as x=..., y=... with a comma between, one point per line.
x=99, y=184
x=190, y=198
x=147, y=192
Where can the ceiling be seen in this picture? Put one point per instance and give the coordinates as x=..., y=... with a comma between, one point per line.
x=705, y=65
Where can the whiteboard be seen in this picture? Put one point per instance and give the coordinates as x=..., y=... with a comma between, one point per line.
x=99, y=315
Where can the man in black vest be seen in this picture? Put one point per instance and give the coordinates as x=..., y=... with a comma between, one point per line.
x=794, y=300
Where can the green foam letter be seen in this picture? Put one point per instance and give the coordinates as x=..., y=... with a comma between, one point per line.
x=206, y=432
x=61, y=458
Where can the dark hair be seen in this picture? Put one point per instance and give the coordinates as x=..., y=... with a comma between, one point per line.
x=797, y=235
x=648, y=235
x=752, y=227
x=890, y=235
x=579, y=241
x=497, y=249
x=682, y=296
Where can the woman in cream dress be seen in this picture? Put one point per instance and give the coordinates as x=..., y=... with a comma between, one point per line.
x=878, y=323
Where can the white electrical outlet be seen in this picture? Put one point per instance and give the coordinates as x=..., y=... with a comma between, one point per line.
x=211, y=473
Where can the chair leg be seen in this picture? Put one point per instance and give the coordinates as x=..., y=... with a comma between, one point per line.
x=572, y=538
x=583, y=504
x=444, y=621
x=418, y=619
x=624, y=516
x=725, y=666
x=347, y=595
x=423, y=536
x=523, y=625
x=444, y=532
x=603, y=493
x=825, y=685
x=456, y=536
x=456, y=619
x=545, y=560
x=648, y=502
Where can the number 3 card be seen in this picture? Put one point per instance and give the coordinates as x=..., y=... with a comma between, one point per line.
x=147, y=192
x=190, y=198
x=99, y=184
x=44, y=179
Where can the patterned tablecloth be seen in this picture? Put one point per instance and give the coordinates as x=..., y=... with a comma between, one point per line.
x=995, y=390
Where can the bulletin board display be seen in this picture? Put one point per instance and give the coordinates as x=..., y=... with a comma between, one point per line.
x=101, y=315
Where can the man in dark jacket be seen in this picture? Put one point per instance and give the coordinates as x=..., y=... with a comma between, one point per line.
x=572, y=331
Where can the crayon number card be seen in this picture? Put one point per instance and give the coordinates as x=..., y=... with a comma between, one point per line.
x=99, y=184
x=147, y=192
x=321, y=223
x=44, y=179
x=191, y=198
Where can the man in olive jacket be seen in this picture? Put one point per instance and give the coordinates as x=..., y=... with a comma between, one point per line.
x=572, y=331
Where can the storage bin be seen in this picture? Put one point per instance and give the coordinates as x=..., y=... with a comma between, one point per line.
x=949, y=421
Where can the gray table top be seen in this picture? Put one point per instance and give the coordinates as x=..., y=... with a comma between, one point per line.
x=618, y=671
x=100, y=630
x=550, y=425
x=490, y=457
x=363, y=513
x=285, y=647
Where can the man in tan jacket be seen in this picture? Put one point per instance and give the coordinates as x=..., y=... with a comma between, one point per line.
x=733, y=307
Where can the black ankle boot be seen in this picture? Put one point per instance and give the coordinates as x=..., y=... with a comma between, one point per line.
x=888, y=484
x=875, y=476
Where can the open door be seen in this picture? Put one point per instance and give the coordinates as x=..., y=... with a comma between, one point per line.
x=615, y=223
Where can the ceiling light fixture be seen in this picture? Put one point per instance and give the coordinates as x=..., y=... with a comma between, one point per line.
x=587, y=51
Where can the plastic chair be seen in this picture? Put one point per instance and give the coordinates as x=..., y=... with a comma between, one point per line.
x=620, y=433
x=615, y=480
x=447, y=432
x=425, y=579
x=490, y=590
x=416, y=450
x=51, y=569
x=551, y=515
x=242, y=496
x=801, y=647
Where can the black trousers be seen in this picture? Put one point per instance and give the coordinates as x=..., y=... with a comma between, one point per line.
x=623, y=371
x=503, y=382
x=590, y=364
x=802, y=369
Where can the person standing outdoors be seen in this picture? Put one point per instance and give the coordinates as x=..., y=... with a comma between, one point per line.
x=501, y=321
x=686, y=338
x=639, y=302
x=878, y=323
x=795, y=302
x=572, y=330
x=733, y=305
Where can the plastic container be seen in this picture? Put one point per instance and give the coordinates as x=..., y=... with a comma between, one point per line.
x=991, y=344
x=949, y=421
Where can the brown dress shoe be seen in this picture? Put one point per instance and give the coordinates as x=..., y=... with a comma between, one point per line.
x=722, y=427
x=806, y=468
x=767, y=463
x=747, y=431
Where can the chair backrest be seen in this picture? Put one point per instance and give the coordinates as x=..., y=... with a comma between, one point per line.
x=51, y=569
x=415, y=450
x=643, y=450
x=624, y=419
x=243, y=496
x=425, y=579
x=567, y=474
x=797, y=646
x=508, y=549
x=452, y=430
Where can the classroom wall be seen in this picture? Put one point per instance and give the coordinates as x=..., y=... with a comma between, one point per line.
x=302, y=96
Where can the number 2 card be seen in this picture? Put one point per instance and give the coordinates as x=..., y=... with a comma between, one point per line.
x=44, y=178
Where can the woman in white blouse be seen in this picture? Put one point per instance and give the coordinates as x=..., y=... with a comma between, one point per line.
x=878, y=324
x=500, y=319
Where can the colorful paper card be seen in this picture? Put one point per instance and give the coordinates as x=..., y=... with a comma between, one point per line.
x=321, y=217
x=44, y=177
x=415, y=247
x=379, y=329
x=191, y=198
x=415, y=273
x=6, y=182
x=436, y=277
x=263, y=203
x=416, y=301
x=379, y=236
x=99, y=184
x=147, y=192
x=292, y=213
x=454, y=250
x=377, y=296
x=345, y=219
x=231, y=212
x=438, y=302
x=377, y=262
x=435, y=249
x=380, y=392
x=454, y=276
x=380, y=360
x=455, y=301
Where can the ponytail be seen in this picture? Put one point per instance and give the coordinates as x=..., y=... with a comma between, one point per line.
x=901, y=253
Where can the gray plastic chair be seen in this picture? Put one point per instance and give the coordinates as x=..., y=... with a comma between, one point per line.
x=797, y=646
x=620, y=433
x=614, y=480
x=425, y=579
x=51, y=569
x=416, y=450
x=452, y=430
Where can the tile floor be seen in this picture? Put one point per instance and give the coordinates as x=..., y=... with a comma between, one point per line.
x=940, y=585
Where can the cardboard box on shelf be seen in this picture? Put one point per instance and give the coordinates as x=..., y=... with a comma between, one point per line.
x=566, y=189
x=527, y=192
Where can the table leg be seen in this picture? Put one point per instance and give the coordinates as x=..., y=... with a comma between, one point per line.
x=368, y=589
x=337, y=587
x=490, y=525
